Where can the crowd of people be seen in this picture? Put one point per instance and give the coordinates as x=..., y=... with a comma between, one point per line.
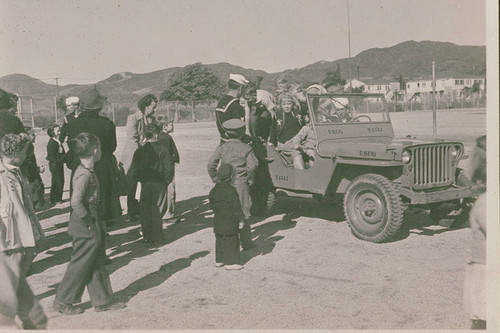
x=247, y=119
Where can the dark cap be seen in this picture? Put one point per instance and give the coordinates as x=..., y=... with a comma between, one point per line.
x=233, y=125
x=7, y=100
x=225, y=172
x=92, y=99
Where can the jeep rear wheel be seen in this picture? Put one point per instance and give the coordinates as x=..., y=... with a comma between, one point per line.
x=373, y=208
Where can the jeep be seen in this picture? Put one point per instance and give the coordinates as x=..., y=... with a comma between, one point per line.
x=379, y=176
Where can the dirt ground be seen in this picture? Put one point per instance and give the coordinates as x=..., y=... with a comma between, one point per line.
x=307, y=270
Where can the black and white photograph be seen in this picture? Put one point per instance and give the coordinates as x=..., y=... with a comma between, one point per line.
x=249, y=165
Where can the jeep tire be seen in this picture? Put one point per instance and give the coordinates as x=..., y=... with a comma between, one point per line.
x=373, y=208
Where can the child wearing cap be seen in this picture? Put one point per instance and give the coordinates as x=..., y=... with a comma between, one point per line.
x=228, y=217
x=242, y=158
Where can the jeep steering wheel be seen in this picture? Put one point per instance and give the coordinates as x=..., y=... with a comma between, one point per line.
x=356, y=119
x=333, y=118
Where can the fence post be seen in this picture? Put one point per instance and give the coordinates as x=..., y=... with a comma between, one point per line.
x=176, y=114
x=32, y=113
x=193, y=116
x=113, y=112
x=168, y=111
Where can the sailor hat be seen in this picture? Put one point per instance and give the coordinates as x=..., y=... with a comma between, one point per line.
x=233, y=125
x=72, y=100
x=238, y=78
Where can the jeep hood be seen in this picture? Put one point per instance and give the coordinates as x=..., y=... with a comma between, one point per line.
x=367, y=148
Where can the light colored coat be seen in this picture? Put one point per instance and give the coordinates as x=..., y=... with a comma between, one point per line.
x=19, y=226
x=135, y=135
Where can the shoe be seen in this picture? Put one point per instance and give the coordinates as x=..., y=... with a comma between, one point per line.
x=110, y=307
x=219, y=264
x=234, y=267
x=172, y=220
x=66, y=309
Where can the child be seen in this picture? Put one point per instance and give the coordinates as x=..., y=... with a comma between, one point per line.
x=243, y=160
x=228, y=217
x=20, y=231
x=87, y=265
x=167, y=195
x=55, y=153
x=287, y=122
x=32, y=171
x=154, y=168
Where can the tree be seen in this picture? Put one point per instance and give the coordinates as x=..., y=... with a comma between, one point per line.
x=61, y=103
x=193, y=82
x=332, y=78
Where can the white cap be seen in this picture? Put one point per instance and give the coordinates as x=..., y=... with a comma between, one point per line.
x=72, y=100
x=316, y=89
x=238, y=78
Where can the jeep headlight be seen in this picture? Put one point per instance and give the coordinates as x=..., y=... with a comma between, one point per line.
x=406, y=157
x=455, y=151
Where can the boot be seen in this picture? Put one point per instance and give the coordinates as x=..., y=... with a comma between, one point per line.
x=298, y=162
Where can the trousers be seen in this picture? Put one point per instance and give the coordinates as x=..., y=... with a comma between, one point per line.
x=244, y=196
x=16, y=297
x=86, y=267
x=227, y=249
x=166, y=201
x=57, y=181
x=150, y=217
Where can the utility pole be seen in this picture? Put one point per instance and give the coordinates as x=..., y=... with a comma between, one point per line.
x=434, y=130
x=55, y=99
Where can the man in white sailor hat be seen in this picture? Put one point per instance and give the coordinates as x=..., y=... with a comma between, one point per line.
x=229, y=106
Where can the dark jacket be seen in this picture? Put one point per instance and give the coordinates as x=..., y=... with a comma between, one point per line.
x=284, y=127
x=153, y=163
x=10, y=124
x=168, y=141
x=227, y=108
x=225, y=203
x=54, y=154
x=91, y=122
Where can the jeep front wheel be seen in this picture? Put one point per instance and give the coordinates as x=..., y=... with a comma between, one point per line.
x=373, y=208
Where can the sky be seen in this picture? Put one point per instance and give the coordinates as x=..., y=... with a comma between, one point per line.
x=87, y=41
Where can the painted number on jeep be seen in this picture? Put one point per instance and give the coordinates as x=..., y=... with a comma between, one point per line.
x=335, y=131
x=283, y=178
x=375, y=129
x=367, y=153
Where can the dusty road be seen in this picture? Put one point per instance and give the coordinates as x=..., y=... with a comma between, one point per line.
x=307, y=271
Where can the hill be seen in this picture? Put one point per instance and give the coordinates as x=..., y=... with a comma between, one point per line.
x=411, y=59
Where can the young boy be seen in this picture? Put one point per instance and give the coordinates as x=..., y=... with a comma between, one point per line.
x=19, y=233
x=167, y=195
x=243, y=160
x=154, y=169
x=87, y=265
x=228, y=216
x=55, y=154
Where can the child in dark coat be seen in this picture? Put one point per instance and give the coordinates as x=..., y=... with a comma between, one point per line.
x=55, y=153
x=154, y=169
x=228, y=219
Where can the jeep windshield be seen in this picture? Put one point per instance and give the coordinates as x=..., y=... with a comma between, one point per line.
x=347, y=108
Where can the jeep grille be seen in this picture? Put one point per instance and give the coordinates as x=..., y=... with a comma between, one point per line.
x=433, y=166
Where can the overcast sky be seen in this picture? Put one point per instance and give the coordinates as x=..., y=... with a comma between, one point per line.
x=86, y=41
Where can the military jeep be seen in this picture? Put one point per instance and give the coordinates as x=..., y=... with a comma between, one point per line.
x=379, y=176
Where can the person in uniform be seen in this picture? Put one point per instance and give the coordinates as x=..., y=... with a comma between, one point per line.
x=135, y=126
x=242, y=158
x=228, y=216
x=72, y=112
x=87, y=264
x=259, y=111
x=228, y=106
x=89, y=121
